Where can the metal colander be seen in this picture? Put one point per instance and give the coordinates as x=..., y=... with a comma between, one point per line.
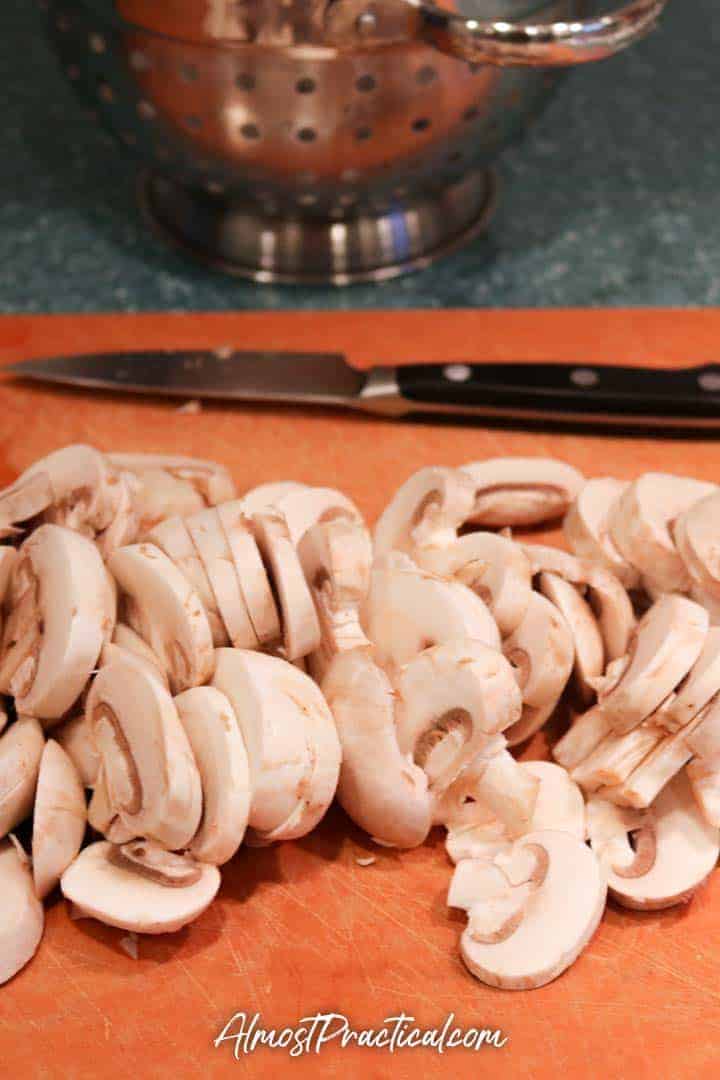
x=323, y=140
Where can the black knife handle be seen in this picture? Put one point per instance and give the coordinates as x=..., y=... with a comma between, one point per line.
x=585, y=391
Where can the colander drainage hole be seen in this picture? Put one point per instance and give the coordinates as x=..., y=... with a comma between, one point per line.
x=306, y=85
x=365, y=84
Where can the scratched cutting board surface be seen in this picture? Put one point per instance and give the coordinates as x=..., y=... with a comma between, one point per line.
x=303, y=927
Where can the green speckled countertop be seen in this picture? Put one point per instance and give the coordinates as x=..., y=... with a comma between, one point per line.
x=614, y=199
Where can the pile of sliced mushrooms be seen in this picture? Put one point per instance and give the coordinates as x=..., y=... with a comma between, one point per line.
x=183, y=670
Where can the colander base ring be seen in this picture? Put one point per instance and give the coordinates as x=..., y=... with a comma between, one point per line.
x=235, y=237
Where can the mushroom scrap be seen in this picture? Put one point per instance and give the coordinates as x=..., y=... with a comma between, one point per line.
x=193, y=673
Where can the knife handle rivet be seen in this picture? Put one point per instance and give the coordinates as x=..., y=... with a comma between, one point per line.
x=584, y=377
x=457, y=372
x=709, y=381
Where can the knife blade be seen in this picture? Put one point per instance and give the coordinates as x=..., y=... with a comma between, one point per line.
x=605, y=394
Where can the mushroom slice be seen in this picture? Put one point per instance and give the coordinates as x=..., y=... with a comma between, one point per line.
x=303, y=506
x=557, y=803
x=21, y=748
x=251, y=572
x=22, y=919
x=704, y=779
x=212, y=546
x=292, y=744
x=656, y=858
x=530, y=932
x=493, y=566
x=409, y=610
x=616, y=757
x=493, y=788
x=153, y=784
x=697, y=536
x=85, y=489
x=163, y=608
x=698, y=688
x=267, y=496
x=708, y=601
x=450, y=698
x=59, y=818
x=517, y=491
x=380, y=788
x=118, y=891
x=589, y=648
x=58, y=620
x=428, y=509
x=220, y=755
x=75, y=737
x=8, y=559
x=587, y=530
x=173, y=538
x=639, y=523
x=301, y=629
x=174, y=485
x=126, y=639
x=22, y=501
x=125, y=524
x=542, y=652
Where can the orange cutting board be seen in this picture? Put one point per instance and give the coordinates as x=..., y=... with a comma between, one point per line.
x=303, y=927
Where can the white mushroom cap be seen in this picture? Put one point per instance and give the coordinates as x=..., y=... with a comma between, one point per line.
x=267, y=496
x=674, y=849
x=251, y=572
x=59, y=818
x=709, y=601
x=428, y=509
x=380, y=788
x=303, y=506
x=220, y=755
x=105, y=887
x=174, y=485
x=22, y=501
x=704, y=779
x=85, y=489
x=300, y=626
x=126, y=639
x=59, y=621
x=408, y=610
x=209, y=538
x=698, y=688
x=173, y=538
x=697, y=535
x=519, y=491
x=291, y=741
x=587, y=531
x=75, y=736
x=494, y=795
x=21, y=914
x=152, y=780
x=704, y=737
x=558, y=805
x=493, y=566
x=163, y=608
x=588, y=643
x=542, y=652
x=517, y=942
x=21, y=748
x=125, y=524
x=450, y=698
x=639, y=525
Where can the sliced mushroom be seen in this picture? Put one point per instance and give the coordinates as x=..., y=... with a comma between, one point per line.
x=174, y=485
x=427, y=510
x=22, y=917
x=173, y=538
x=300, y=626
x=586, y=528
x=655, y=858
x=125, y=525
x=267, y=496
x=8, y=559
x=153, y=785
x=704, y=779
x=59, y=614
x=587, y=641
x=58, y=820
x=303, y=506
x=698, y=688
x=409, y=610
x=639, y=523
x=163, y=608
x=21, y=748
x=526, y=931
x=117, y=891
x=251, y=572
x=697, y=536
x=541, y=651
x=23, y=501
x=75, y=736
x=290, y=737
x=126, y=639
x=708, y=601
x=493, y=566
x=517, y=491
x=209, y=538
x=380, y=788
x=492, y=790
x=616, y=757
x=220, y=755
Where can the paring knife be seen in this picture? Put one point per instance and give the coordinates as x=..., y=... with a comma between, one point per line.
x=687, y=397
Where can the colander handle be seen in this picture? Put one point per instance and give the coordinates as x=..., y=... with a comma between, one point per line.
x=558, y=44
